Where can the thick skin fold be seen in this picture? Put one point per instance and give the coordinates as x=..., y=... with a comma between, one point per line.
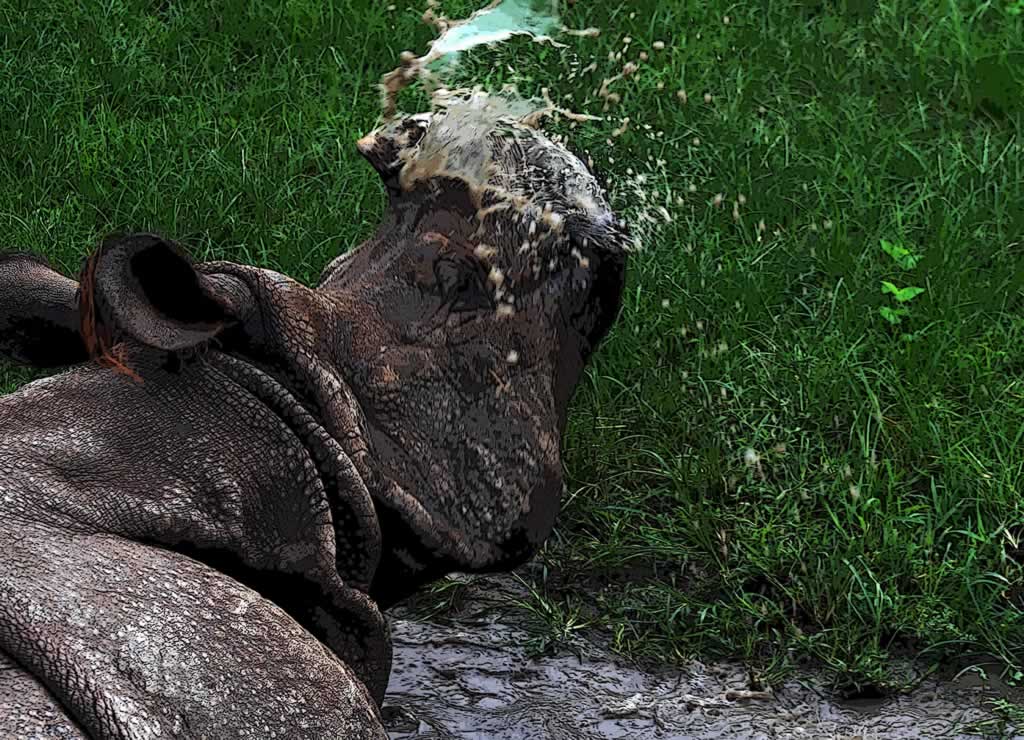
x=139, y=642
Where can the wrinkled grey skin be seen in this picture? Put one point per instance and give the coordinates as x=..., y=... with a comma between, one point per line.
x=200, y=526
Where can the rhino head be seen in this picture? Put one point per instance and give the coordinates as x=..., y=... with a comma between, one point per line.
x=441, y=353
x=462, y=328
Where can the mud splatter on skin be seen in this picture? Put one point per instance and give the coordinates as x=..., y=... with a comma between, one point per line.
x=451, y=145
x=531, y=196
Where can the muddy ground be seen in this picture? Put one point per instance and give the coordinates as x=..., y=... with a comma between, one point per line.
x=470, y=676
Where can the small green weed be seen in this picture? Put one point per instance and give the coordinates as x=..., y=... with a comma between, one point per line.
x=1008, y=723
x=907, y=260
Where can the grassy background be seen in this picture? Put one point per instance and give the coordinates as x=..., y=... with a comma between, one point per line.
x=759, y=463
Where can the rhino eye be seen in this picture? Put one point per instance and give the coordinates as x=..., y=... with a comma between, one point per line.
x=462, y=285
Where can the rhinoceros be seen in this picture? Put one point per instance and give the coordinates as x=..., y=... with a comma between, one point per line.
x=204, y=514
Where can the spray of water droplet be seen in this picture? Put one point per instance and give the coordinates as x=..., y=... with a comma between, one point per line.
x=498, y=22
x=645, y=199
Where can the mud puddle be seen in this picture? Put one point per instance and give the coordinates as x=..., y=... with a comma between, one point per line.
x=470, y=676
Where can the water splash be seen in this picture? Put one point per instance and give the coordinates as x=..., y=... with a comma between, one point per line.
x=498, y=22
x=644, y=199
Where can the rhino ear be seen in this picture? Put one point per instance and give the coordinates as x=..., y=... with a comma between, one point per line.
x=144, y=288
x=601, y=274
x=39, y=316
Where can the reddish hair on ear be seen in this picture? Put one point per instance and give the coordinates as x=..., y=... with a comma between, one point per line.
x=97, y=336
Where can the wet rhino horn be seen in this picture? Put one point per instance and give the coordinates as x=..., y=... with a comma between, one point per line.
x=384, y=150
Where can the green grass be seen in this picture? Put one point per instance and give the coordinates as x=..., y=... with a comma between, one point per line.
x=881, y=511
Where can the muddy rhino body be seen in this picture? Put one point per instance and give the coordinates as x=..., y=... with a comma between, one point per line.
x=202, y=520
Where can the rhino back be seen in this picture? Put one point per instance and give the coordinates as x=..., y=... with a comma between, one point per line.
x=188, y=461
x=140, y=642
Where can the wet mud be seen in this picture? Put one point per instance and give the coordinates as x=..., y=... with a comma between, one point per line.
x=470, y=676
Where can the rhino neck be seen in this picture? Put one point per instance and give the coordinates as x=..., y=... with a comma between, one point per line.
x=457, y=447
x=414, y=547
x=418, y=492
x=357, y=534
